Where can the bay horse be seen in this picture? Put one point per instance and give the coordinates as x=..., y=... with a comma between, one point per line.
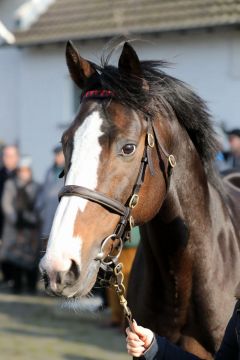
x=142, y=148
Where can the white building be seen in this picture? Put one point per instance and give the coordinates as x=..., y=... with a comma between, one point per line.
x=38, y=100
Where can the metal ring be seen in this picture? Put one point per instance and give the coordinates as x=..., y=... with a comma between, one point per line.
x=150, y=140
x=101, y=254
x=133, y=201
x=131, y=222
x=112, y=258
x=115, y=257
x=172, y=161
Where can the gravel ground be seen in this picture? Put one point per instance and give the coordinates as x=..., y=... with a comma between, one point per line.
x=40, y=328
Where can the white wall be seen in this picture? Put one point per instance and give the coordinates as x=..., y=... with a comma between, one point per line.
x=36, y=94
x=46, y=103
x=210, y=63
x=9, y=95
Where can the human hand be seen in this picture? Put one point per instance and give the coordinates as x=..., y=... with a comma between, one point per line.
x=138, y=340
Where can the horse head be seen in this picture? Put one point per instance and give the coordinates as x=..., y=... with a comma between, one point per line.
x=117, y=169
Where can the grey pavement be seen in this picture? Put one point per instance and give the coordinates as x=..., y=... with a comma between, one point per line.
x=42, y=328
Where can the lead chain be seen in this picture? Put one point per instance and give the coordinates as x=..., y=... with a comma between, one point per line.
x=117, y=283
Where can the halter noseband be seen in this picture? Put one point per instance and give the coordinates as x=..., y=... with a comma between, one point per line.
x=126, y=222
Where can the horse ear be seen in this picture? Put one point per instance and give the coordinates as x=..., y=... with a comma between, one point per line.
x=129, y=64
x=79, y=68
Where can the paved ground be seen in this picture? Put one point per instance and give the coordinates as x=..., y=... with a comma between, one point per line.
x=38, y=328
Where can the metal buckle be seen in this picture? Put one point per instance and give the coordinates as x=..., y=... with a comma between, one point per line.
x=150, y=140
x=133, y=201
x=172, y=161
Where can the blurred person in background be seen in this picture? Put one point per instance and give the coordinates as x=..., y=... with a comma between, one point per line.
x=234, y=142
x=220, y=160
x=126, y=258
x=2, y=145
x=20, y=240
x=48, y=197
x=9, y=161
x=228, y=157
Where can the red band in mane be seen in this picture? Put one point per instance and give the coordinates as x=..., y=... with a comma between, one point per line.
x=98, y=93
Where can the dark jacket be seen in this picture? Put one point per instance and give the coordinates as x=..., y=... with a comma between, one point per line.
x=20, y=238
x=231, y=161
x=162, y=349
x=4, y=176
x=47, y=201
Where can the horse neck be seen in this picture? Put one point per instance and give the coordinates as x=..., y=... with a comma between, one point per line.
x=181, y=242
x=189, y=196
x=184, y=222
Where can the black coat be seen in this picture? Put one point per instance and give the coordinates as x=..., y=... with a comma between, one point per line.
x=20, y=238
x=161, y=349
x=4, y=176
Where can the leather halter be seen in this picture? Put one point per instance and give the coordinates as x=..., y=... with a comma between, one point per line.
x=126, y=222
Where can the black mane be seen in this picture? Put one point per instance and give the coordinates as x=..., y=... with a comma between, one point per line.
x=164, y=90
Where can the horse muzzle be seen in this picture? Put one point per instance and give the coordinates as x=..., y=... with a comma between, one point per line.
x=60, y=281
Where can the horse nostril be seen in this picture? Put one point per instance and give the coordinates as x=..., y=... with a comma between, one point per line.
x=57, y=281
x=45, y=279
x=75, y=269
x=59, y=278
x=72, y=274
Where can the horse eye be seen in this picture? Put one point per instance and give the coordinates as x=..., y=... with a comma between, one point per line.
x=128, y=149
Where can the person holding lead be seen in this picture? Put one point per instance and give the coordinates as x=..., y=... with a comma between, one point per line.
x=144, y=344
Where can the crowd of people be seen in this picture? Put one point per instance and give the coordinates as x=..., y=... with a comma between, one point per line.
x=26, y=213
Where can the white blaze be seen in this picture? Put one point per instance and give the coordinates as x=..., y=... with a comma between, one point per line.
x=83, y=172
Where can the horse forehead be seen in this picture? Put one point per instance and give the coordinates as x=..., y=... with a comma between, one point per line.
x=123, y=117
x=114, y=117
